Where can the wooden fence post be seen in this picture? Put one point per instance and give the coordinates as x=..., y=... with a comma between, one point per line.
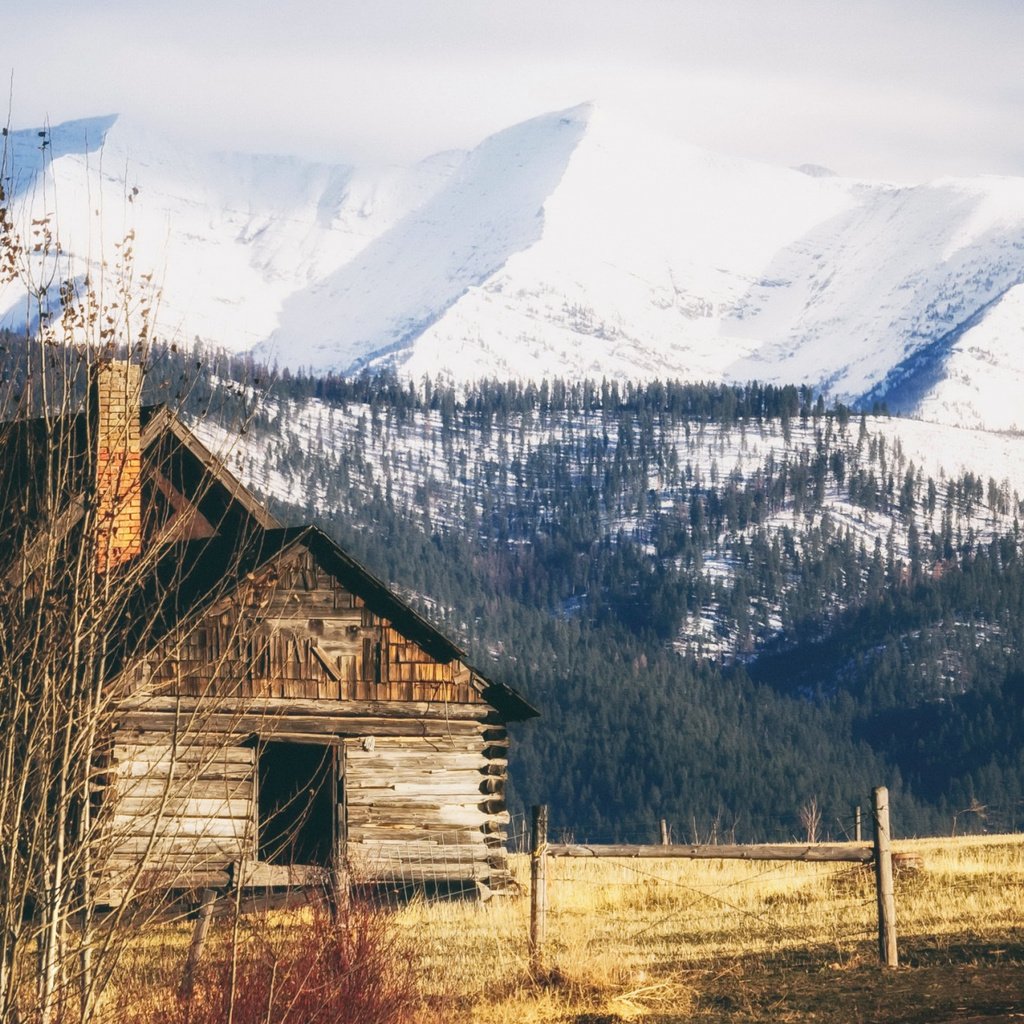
x=195, y=950
x=857, y=832
x=338, y=892
x=664, y=833
x=887, y=951
x=538, y=885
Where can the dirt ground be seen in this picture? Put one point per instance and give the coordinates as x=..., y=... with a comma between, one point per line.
x=968, y=984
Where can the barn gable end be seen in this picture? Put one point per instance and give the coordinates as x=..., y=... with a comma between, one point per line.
x=279, y=715
x=306, y=677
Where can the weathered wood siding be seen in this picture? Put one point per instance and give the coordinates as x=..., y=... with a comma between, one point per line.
x=293, y=655
x=183, y=813
x=427, y=808
x=296, y=632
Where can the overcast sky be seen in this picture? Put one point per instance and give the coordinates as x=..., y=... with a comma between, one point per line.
x=904, y=89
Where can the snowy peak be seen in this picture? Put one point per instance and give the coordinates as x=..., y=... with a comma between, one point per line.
x=30, y=150
x=489, y=207
x=577, y=243
x=873, y=301
x=647, y=243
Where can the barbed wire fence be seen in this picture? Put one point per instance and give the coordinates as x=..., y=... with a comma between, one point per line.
x=643, y=910
x=700, y=909
x=640, y=906
x=780, y=917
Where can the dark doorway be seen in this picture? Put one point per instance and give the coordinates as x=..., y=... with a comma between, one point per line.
x=297, y=796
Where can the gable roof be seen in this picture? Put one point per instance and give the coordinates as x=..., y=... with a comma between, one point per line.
x=189, y=575
x=384, y=602
x=197, y=462
x=26, y=457
x=191, y=578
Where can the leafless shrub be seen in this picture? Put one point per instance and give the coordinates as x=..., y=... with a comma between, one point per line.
x=318, y=971
x=76, y=605
x=810, y=819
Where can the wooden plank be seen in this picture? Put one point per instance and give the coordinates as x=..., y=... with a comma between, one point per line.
x=406, y=838
x=172, y=861
x=467, y=742
x=366, y=870
x=307, y=604
x=371, y=853
x=208, y=847
x=265, y=725
x=187, y=878
x=398, y=821
x=422, y=841
x=174, y=806
x=269, y=707
x=235, y=774
x=161, y=750
x=259, y=874
x=148, y=787
x=465, y=790
x=764, y=851
x=445, y=817
x=467, y=782
x=382, y=798
x=421, y=771
x=195, y=950
x=427, y=762
x=329, y=664
x=450, y=816
x=133, y=826
x=467, y=785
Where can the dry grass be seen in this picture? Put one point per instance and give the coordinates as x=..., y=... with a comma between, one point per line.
x=719, y=942
x=729, y=940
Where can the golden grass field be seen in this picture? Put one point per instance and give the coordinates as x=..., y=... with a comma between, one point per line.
x=718, y=942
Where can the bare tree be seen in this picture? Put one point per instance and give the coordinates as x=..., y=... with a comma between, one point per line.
x=89, y=581
x=810, y=819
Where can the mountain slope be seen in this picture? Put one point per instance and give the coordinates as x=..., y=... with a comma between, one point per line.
x=574, y=244
x=742, y=599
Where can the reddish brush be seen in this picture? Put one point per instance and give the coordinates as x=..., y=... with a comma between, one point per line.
x=316, y=972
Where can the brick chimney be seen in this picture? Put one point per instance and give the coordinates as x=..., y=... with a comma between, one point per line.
x=115, y=398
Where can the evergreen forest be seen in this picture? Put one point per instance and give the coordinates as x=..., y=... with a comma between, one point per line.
x=729, y=604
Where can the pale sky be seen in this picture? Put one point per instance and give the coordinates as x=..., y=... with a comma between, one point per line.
x=905, y=90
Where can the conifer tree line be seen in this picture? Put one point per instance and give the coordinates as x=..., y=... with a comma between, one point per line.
x=713, y=637
x=725, y=600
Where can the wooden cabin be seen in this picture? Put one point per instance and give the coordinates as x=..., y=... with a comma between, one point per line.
x=282, y=716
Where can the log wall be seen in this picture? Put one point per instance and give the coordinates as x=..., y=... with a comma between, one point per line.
x=181, y=813
x=428, y=809
x=294, y=656
x=424, y=790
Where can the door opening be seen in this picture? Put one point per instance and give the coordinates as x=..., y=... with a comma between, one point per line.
x=297, y=793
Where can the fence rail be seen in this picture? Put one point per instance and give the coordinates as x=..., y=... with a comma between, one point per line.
x=880, y=854
x=761, y=851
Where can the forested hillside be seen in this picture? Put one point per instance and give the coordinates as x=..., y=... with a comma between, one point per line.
x=726, y=602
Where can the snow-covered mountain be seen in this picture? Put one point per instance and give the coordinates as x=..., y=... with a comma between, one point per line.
x=573, y=244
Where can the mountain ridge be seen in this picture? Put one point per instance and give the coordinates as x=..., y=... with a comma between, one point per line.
x=574, y=244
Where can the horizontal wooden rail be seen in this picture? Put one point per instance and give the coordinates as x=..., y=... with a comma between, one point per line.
x=755, y=851
x=880, y=854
